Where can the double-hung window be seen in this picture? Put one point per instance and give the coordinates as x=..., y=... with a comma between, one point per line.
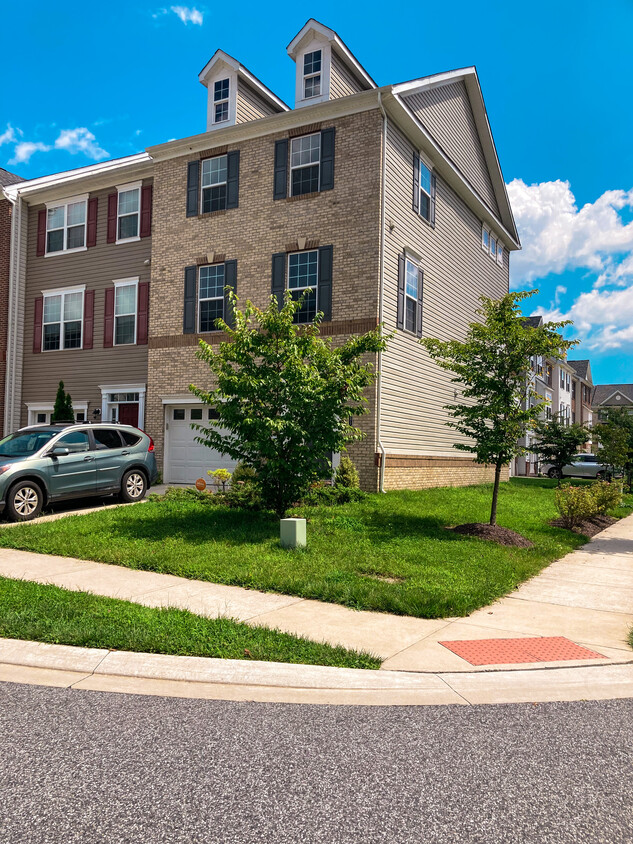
x=303, y=274
x=312, y=74
x=221, y=101
x=305, y=164
x=210, y=296
x=425, y=191
x=410, y=296
x=214, y=181
x=128, y=211
x=493, y=248
x=62, y=320
x=125, y=309
x=66, y=226
x=485, y=240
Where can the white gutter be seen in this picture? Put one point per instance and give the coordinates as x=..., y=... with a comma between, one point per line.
x=383, y=179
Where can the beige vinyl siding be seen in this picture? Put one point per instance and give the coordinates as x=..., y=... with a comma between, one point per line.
x=446, y=113
x=82, y=370
x=250, y=106
x=342, y=81
x=456, y=272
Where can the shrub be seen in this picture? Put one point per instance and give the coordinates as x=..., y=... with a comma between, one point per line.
x=243, y=473
x=187, y=494
x=220, y=477
x=243, y=494
x=606, y=496
x=575, y=504
x=346, y=475
x=325, y=494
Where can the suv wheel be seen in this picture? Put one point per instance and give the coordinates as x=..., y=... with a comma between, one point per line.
x=133, y=486
x=555, y=474
x=24, y=501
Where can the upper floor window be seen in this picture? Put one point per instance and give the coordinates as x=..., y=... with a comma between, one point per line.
x=562, y=379
x=425, y=191
x=305, y=158
x=214, y=181
x=485, y=240
x=210, y=296
x=66, y=226
x=221, y=101
x=410, y=284
x=62, y=320
x=128, y=211
x=303, y=273
x=500, y=253
x=312, y=74
x=125, y=308
x=493, y=248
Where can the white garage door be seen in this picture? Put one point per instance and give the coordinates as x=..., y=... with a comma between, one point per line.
x=185, y=459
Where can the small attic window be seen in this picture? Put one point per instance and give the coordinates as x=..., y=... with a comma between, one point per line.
x=312, y=74
x=221, y=101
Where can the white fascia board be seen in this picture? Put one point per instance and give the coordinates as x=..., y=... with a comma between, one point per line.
x=55, y=184
x=404, y=117
x=426, y=83
x=341, y=48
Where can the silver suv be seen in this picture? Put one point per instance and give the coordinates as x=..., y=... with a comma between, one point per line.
x=581, y=466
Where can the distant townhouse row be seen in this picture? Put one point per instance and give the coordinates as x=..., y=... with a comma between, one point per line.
x=388, y=203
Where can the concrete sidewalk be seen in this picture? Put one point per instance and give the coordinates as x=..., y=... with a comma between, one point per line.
x=586, y=597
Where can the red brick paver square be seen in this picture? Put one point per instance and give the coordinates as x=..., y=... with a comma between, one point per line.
x=508, y=651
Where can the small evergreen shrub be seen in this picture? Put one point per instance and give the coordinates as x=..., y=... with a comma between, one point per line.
x=323, y=493
x=575, y=504
x=220, y=477
x=243, y=473
x=346, y=476
x=606, y=496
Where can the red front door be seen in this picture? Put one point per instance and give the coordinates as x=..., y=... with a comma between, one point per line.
x=128, y=414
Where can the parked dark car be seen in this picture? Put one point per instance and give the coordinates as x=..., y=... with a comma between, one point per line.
x=43, y=464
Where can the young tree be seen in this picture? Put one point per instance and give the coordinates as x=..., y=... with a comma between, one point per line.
x=63, y=408
x=557, y=443
x=284, y=397
x=615, y=436
x=493, y=367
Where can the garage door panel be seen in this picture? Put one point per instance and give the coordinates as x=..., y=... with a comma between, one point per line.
x=185, y=459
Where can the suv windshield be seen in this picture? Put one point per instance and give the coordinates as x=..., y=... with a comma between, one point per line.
x=25, y=443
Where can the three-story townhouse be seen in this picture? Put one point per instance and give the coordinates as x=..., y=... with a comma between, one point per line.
x=387, y=202
x=79, y=298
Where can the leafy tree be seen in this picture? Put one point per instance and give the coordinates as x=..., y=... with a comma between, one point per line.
x=493, y=366
x=615, y=436
x=63, y=408
x=557, y=443
x=284, y=397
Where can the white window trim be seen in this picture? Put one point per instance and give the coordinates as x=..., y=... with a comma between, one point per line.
x=307, y=76
x=326, y=63
x=226, y=100
x=217, y=184
x=65, y=203
x=425, y=161
x=408, y=259
x=304, y=166
x=485, y=246
x=500, y=251
x=223, y=71
x=119, y=188
x=307, y=287
x=126, y=282
x=208, y=298
x=33, y=408
x=106, y=389
x=61, y=291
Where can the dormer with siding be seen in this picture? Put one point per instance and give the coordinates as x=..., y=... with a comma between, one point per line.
x=326, y=67
x=234, y=94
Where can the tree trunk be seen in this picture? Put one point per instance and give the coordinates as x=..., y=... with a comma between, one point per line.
x=495, y=494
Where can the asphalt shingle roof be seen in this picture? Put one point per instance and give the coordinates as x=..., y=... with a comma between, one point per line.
x=602, y=392
x=580, y=367
x=7, y=178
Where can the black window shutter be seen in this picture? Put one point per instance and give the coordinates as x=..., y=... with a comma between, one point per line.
x=193, y=188
x=324, y=288
x=280, y=189
x=233, y=179
x=327, y=159
x=433, y=194
x=278, y=286
x=230, y=280
x=400, y=316
x=189, y=312
x=418, y=316
x=416, y=183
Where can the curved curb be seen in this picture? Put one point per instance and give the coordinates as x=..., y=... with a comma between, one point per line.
x=272, y=682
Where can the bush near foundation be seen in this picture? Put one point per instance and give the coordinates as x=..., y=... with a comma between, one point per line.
x=575, y=504
x=607, y=496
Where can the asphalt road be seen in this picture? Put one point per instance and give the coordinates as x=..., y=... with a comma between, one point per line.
x=91, y=767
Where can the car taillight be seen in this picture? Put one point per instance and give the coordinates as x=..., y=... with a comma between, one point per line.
x=150, y=447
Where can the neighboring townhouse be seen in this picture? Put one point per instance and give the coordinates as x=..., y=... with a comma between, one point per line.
x=606, y=396
x=78, y=305
x=388, y=203
x=581, y=391
x=6, y=217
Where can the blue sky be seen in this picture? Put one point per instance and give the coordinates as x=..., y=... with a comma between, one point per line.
x=95, y=80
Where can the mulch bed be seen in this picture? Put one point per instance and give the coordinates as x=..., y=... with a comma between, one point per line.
x=494, y=533
x=590, y=527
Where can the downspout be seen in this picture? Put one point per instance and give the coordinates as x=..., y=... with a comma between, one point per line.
x=15, y=329
x=383, y=454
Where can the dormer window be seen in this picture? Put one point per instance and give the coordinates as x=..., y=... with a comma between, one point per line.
x=221, y=101
x=312, y=74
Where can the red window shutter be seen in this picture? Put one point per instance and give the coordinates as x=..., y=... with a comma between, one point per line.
x=89, y=318
x=37, y=322
x=108, y=321
x=41, y=234
x=91, y=239
x=143, y=313
x=146, y=211
x=112, y=209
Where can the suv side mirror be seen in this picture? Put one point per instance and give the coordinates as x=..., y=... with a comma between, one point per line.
x=59, y=451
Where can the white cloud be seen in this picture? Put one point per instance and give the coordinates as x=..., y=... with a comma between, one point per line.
x=9, y=136
x=187, y=15
x=558, y=236
x=603, y=319
x=25, y=149
x=80, y=140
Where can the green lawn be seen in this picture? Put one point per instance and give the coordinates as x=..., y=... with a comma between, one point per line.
x=400, y=535
x=49, y=614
